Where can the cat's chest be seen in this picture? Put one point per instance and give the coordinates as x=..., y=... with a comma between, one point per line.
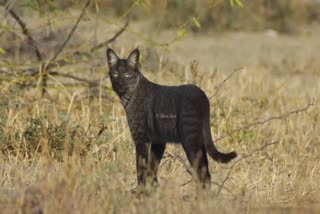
x=138, y=123
x=137, y=114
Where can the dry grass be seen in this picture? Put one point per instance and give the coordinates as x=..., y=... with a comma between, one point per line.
x=63, y=154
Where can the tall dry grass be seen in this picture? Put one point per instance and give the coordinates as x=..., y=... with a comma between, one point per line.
x=69, y=156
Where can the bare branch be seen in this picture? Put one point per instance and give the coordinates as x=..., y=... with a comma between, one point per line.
x=241, y=159
x=24, y=29
x=71, y=32
x=212, y=182
x=177, y=156
x=66, y=60
x=112, y=39
x=280, y=117
x=45, y=76
x=89, y=82
x=218, y=87
x=76, y=55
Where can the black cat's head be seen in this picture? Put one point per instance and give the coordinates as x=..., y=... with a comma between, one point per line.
x=124, y=73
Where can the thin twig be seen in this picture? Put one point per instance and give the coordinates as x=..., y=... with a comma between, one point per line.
x=185, y=183
x=280, y=117
x=177, y=156
x=71, y=32
x=240, y=159
x=112, y=39
x=218, y=87
x=184, y=162
x=24, y=29
x=66, y=60
x=89, y=82
x=212, y=182
x=45, y=76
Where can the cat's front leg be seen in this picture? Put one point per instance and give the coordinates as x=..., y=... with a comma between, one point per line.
x=142, y=150
x=156, y=153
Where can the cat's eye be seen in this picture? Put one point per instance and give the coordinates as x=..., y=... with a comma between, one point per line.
x=115, y=75
x=126, y=75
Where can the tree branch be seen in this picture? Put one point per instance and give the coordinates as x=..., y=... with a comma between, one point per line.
x=66, y=60
x=71, y=32
x=177, y=156
x=89, y=82
x=218, y=87
x=112, y=39
x=44, y=68
x=280, y=117
x=24, y=29
x=241, y=159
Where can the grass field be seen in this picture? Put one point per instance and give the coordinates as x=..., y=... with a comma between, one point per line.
x=67, y=152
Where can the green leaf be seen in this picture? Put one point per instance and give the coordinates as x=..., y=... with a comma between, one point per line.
x=181, y=33
x=143, y=3
x=196, y=22
x=58, y=12
x=237, y=2
x=4, y=26
x=84, y=58
x=2, y=51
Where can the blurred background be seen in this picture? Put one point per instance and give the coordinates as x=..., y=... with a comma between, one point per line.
x=283, y=16
x=213, y=32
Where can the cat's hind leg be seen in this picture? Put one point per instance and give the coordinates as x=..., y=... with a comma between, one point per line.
x=196, y=153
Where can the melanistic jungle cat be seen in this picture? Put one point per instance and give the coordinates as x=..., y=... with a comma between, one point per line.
x=159, y=114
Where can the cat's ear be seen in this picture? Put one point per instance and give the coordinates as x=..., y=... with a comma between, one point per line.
x=133, y=58
x=112, y=57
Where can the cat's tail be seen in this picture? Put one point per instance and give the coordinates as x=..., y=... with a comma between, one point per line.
x=211, y=149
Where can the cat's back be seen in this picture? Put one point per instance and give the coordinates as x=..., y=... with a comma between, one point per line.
x=175, y=96
x=181, y=92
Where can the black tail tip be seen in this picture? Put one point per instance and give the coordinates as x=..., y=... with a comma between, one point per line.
x=226, y=158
